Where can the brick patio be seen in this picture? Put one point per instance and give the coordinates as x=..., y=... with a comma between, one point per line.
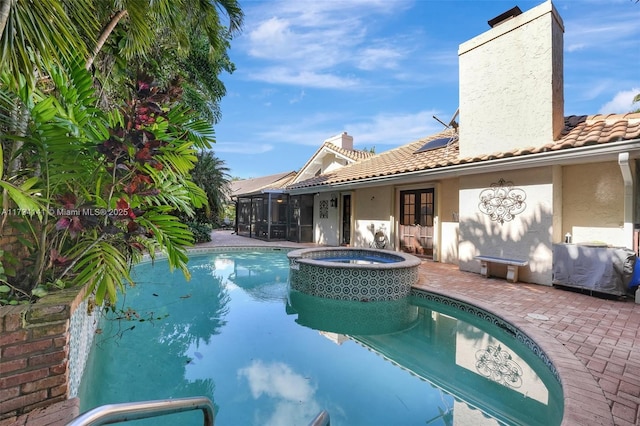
x=594, y=342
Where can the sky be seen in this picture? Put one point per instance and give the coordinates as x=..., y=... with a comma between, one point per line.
x=381, y=69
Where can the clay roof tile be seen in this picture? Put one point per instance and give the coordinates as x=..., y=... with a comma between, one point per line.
x=579, y=130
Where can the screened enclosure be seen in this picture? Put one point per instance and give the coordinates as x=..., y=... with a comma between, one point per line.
x=275, y=216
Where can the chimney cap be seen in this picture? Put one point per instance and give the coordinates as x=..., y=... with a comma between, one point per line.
x=511, y=13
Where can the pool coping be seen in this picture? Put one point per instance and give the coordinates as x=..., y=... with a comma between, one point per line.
x=306, y=255
x=584, y=399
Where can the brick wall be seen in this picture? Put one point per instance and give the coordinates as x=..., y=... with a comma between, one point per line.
x=34, y=352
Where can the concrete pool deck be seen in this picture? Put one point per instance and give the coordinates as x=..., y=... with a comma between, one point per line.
x=593, y=342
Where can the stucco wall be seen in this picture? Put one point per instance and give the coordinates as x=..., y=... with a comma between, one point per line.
x=330, y=162
x=372, y=211
x=527, y=236
x=593, y=200
x=511, y=72
x=448, y=213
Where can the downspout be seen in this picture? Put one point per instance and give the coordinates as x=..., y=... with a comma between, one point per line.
x=627, y=177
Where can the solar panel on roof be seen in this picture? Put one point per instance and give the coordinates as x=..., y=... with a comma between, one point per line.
x=435, y=143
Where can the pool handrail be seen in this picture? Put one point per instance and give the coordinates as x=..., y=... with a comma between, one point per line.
x=322, y=419
x=116, y=413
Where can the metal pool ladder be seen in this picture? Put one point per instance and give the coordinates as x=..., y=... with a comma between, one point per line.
x=124, y=412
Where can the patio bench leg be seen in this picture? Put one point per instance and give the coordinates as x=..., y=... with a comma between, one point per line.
x=484, y=268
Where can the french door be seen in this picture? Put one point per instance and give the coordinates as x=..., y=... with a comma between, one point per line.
x=417, y=208
x=346, y=219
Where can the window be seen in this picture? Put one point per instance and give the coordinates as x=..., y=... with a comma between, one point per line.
x=417, y=207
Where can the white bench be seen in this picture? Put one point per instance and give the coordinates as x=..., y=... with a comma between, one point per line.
x=512, y=266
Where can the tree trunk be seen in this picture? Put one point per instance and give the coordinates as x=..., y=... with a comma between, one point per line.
x=5, y=9
x=106, y=32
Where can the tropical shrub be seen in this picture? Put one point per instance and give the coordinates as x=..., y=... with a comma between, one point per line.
x=201, y=231
x=103, y=188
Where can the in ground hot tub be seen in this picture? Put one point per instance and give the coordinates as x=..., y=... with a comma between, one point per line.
x=345, y=273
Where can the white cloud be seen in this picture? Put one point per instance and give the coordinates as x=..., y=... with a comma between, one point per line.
x=595, y=89
x=381, y=130
x=622, y=102
x=304, y=78
x=242, y=147
x=600, y=31
x=575, y=47
x=292, y=394
x=371, y=58
x=276, y=380
x=315, y=44
x=395, y=129
x=311, y=130
x=298, y=98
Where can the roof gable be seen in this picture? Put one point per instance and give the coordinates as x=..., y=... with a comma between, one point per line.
x=328, y=151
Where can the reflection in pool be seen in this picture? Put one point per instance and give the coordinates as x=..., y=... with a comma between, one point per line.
x=265, y=355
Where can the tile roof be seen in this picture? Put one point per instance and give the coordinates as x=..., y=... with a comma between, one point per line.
x=256, y=185
x=354, y=155
x=579, y=131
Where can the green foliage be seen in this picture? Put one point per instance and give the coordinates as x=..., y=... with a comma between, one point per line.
x=201, y=231
x=211, y=175
x=44, y=31
x=112, y=187
x=9, y=295
x=96, y=190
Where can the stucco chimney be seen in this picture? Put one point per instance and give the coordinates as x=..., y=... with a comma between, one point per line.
x=343, y=140
x=511, y=83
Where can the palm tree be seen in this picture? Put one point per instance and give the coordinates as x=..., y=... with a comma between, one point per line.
x=181, y=43
x=43, y=31
x=211, y=174
x=33, y=35
x=179, y=16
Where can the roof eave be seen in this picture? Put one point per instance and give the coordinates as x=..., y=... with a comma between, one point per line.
x=586, y=154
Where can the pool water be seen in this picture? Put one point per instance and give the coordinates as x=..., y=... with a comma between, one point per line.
x=363, y=260
x=268, y=356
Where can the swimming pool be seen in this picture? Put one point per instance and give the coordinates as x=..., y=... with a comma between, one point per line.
x=266, y=355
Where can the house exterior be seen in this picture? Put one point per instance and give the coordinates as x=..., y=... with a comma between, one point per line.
x=511, y=175
x=266, y=210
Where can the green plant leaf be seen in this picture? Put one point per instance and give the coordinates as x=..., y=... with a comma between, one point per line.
x=39, y=291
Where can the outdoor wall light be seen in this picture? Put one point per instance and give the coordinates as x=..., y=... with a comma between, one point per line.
x=333, y=202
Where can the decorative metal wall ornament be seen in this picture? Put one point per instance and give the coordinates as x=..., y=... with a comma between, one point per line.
x=324, y=209
x=497, y=364
x=502, y=202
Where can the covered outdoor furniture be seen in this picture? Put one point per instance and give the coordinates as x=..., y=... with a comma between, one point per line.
x=596, y=268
